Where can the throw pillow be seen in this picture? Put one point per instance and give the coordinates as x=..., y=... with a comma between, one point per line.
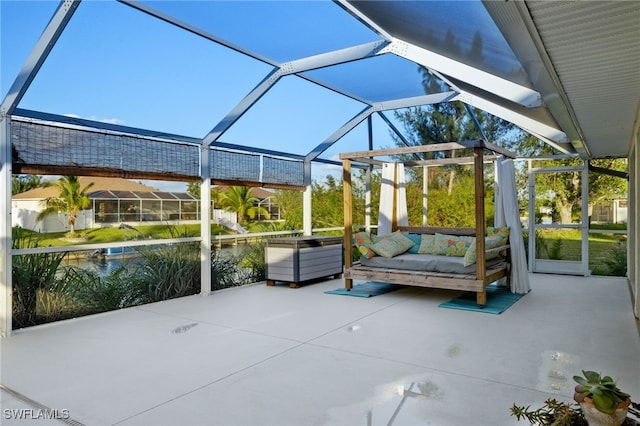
x=416, y=238
x=452, y=245
x=392, y=245
x=499, y=232
x=470, y=256
x=363, y=244
x=427, y=242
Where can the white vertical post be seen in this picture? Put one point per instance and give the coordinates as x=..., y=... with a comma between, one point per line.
x=205, y=221
x=532, y=217
x=307, y=228
x=6, y=286
x=584, y=219
x=425, y=195
x=367, y=200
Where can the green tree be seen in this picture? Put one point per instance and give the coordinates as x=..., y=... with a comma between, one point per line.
x=71, y=200
x=24, y=183
x=328, y=203
x=290, y=204
x=193, y=188
x=240, y=200
x=562, y=190
x=450, y=187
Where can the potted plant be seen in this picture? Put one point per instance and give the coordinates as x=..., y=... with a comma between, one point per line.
x=553, y=412
x=602, y=402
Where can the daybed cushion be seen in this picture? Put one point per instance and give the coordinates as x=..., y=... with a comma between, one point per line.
x=425, y=263
x=392, y=245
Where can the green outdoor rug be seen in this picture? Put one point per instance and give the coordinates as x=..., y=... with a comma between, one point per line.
x=499, y=299
x=367, y=289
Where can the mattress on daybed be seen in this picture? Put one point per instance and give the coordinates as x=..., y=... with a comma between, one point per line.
x=426, y=263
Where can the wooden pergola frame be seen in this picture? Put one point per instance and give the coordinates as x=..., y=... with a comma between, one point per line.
x=482, y=277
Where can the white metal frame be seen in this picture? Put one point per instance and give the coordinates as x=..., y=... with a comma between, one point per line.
x=560, y=266
x=34, y=62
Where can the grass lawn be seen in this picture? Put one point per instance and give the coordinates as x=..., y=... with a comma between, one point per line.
x=115, y=234
x=601, y=247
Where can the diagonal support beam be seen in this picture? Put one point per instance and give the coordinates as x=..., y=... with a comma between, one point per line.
x=195, y=30
x=380, y=106
x=43, y=47
x=504, y=88
x=550, y=134
x=336, y=57
x=343, y=130
x=288, y=68
x=243, y=106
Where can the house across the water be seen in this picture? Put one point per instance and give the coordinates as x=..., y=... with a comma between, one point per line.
x=115, y=201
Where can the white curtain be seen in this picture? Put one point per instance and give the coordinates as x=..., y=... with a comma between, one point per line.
x=392, y=172
x=508, y=213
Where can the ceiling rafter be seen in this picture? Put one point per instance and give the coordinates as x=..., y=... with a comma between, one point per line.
x=504, y=88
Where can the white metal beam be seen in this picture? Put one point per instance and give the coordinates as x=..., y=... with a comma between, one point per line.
x=6, y=286
x=334, y=58
x=205, y=222
x=343, y=130
x=516, y=25
x=307, y=223
x=393, y=128
x=504, y=88
x=548, y=133
x=363, y=18
x=38, y=55
x=415, y=101
x=288, y=68
x=195, y=30
x=243, y=106
x=34, y=62
x=377, y=107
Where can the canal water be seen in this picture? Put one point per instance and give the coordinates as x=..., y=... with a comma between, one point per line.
x=104, y=266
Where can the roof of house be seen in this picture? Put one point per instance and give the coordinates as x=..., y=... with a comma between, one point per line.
x=256, y=191
x=99, y=184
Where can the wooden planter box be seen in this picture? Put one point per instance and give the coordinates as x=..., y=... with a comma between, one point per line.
x=298, y=259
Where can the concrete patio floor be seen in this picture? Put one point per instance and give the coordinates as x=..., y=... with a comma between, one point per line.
x=259, y=355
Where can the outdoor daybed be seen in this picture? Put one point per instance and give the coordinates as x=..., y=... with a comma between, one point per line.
x=424, y=270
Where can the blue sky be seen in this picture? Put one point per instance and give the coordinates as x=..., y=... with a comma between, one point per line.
x=118, y=65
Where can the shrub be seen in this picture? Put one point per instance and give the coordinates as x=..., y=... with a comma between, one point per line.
x=96, y=294
x=253, y=262
x=167, y=272
x=617, y=262
x=226, y=272
x=555, y=251
x=34, y=276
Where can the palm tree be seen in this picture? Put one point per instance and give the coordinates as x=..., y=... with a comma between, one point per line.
x=71, y=200
x=239, y=199
x=24, y=183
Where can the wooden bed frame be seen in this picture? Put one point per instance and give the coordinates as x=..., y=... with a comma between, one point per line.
x=467, y=282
